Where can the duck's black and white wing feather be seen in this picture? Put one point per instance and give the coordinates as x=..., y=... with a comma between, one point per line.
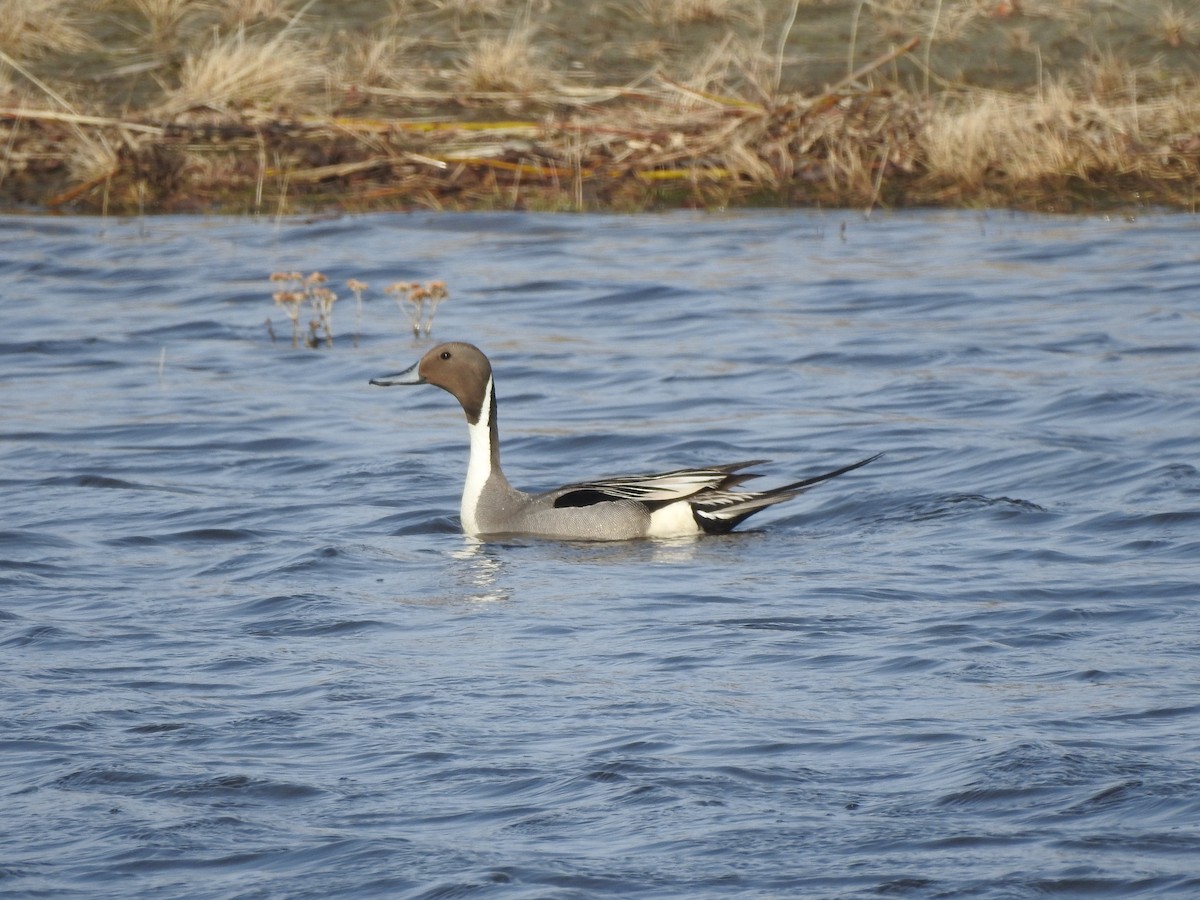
x=656, y=490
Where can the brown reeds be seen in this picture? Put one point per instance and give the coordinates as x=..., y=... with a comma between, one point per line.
x=418, y=302
x=296, y=292
x=268, y=106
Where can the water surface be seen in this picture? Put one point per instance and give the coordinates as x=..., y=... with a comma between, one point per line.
x=246, y=652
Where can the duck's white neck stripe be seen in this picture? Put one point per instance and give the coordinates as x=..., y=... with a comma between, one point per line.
x=479, y=464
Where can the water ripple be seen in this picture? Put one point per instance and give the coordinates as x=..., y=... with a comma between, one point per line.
x=246, y=648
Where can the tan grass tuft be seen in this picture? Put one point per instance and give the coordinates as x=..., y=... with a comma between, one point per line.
x=237, y=13
x=511, y=64
x=375, y=62
x=988, y=138
x=724, y=65
x=164, y=19
x=689, y=12
x=1106, y=76
x=91, y=160
x=34, y=28
x=1177, y=27
x=235, y=70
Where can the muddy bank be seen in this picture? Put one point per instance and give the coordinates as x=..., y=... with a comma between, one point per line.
x=265, y=106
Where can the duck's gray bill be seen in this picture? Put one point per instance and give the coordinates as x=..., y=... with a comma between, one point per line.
x=408, y=376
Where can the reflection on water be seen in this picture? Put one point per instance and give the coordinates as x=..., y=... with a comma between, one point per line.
x=480, y=570
x=243, y=635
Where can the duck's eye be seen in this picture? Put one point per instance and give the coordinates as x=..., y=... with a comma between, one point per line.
x=445, y=354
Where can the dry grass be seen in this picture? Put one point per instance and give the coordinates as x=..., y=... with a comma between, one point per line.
x=1176, y=27
x=1106, y=76
x=978, y=139
x=242, y=13
x=36, y=28
x=291, y=105
x=163, y=20
x=375, y=62
x=235, y=70
x=509, y=64
x=689, y=12
x=491, y=9
x=720, y=67
x=989, y=142
x=92, y=161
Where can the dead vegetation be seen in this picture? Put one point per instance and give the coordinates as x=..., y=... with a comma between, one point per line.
x=277, y=106
x=38, y=28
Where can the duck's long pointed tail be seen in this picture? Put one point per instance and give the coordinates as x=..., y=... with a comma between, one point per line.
x=721, y=511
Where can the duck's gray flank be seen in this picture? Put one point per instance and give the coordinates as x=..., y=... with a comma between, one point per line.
x=667, y=504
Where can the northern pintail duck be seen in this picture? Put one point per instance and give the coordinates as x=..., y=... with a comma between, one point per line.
x=683, y=502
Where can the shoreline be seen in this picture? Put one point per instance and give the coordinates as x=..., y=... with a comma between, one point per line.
x=298, y=111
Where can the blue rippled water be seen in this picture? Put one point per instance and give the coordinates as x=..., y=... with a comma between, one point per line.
x=245, y=651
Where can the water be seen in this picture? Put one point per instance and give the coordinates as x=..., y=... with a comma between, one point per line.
x=246, y=653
